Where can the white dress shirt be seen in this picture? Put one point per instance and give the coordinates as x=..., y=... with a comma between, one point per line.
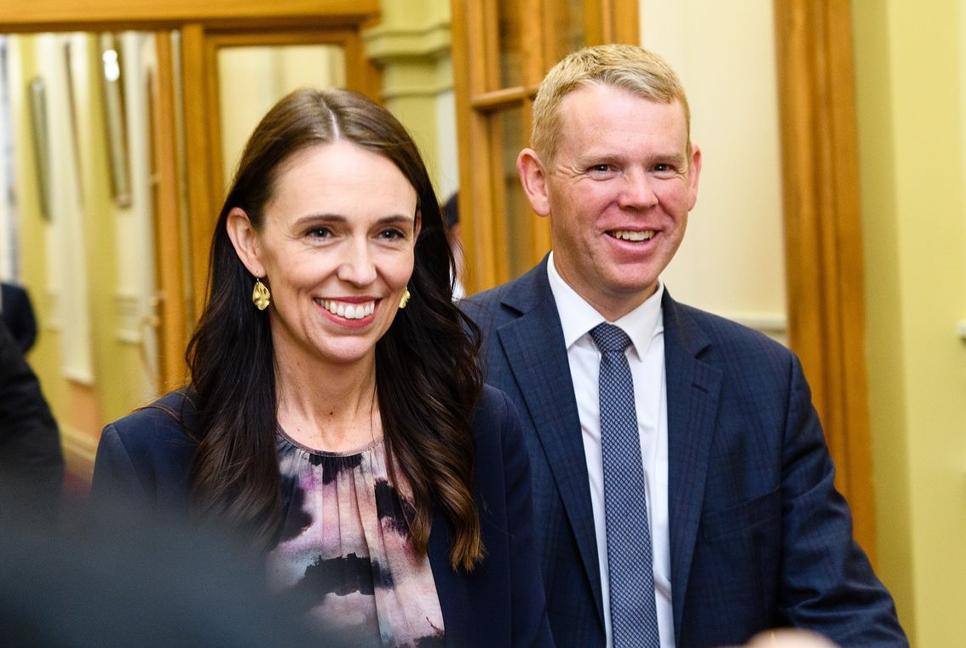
x=645, y=327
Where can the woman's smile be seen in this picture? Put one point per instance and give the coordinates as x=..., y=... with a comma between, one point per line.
x=356, y=310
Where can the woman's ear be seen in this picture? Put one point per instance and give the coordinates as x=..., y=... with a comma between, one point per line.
x=243, y=239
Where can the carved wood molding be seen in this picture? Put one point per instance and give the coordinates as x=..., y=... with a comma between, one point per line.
x=95, y=15
x=823, y=237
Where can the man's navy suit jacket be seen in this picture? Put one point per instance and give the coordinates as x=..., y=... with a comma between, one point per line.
x=759, y=536
x=147, y=456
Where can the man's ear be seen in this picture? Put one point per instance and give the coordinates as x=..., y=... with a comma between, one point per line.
x=243, y=239
x=533, y=177
x=694, y=174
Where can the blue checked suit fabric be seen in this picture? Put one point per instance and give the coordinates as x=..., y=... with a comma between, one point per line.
x=633, y=610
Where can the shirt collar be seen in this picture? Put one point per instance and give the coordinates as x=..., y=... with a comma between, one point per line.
x=577, y=317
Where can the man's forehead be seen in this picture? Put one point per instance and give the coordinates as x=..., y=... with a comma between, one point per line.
x=606, y=91
x=594, y=113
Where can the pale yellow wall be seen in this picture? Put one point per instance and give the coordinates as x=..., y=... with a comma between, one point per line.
x=732, y=259
x=910, y=84
x=252, y=79
x=85, y=268
x=412, y=47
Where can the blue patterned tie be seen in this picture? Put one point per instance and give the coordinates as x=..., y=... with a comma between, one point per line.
x=633, y=611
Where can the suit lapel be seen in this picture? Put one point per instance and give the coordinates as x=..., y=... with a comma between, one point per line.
x=535, y=351
x=693, y=388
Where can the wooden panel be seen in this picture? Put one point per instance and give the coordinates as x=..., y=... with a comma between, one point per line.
x=469, y=79
x=167, y=224
x=53, y=15
x=362, y=74
x=503, y=98
x=626, y=27
x=202, y=209
x=216, y=158
x=823, y=236
x=596, y=12
x=612, y=21
x=262, y=38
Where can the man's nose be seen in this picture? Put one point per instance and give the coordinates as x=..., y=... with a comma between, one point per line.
x=638, y=190
x=358, y=266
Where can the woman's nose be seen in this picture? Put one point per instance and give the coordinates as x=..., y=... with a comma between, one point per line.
x=358, y=266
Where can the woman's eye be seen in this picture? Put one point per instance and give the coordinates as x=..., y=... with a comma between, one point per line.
x=391, y=234
x=319, y=232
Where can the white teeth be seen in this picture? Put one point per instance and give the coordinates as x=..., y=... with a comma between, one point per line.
x=627, y=235
x=348, y=311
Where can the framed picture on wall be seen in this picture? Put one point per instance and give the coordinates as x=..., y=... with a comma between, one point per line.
x=37, y=98
x=114, y=119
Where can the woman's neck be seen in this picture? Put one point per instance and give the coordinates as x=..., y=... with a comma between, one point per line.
x=328, y=407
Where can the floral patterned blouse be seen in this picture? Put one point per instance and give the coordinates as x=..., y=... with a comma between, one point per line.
x=343, y=554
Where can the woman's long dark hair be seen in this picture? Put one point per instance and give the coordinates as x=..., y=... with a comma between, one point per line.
x=427, y=375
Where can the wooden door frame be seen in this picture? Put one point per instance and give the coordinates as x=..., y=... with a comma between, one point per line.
x=823, y=235
x=202, y=25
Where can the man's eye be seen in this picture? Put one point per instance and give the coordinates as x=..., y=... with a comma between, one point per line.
x=601, y=171
x=665, y=168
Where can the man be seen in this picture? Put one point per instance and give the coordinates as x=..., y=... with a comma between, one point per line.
x=716, y=516
x=31, y=463
x=18, y=314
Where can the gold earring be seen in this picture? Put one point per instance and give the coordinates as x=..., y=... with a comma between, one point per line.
x=405, y=298
x=260, y=295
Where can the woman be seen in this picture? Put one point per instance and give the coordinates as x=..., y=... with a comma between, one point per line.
x=336, y=415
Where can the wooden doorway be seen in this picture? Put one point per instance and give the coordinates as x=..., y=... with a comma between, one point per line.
x=184, y=97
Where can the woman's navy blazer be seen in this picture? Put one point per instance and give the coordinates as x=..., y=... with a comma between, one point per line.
x=501, y=602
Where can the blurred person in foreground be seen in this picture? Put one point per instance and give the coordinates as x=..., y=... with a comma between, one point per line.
x=336, y=417
x=31, y=462
x=683, y=491
x=789, y=638
x=117, y=577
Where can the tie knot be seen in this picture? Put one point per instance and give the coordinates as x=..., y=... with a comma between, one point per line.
x=609, y=338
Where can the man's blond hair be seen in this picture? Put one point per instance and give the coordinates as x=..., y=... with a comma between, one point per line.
x=628, y=67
